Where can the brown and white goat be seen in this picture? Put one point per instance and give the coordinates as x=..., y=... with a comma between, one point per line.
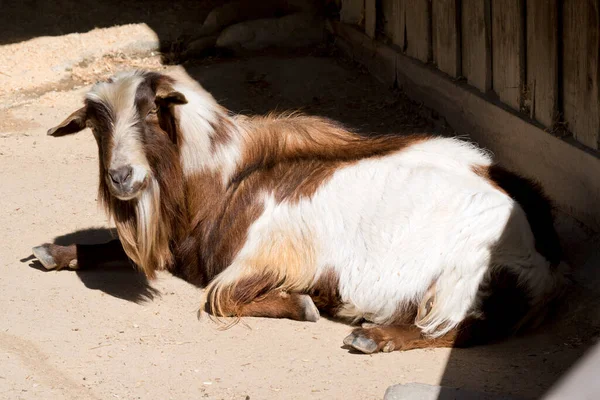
x=285, y=215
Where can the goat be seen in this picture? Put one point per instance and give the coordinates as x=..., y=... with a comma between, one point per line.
x=423, y=238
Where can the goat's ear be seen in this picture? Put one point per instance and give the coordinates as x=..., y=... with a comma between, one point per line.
x=166, y=95
x=72, y=124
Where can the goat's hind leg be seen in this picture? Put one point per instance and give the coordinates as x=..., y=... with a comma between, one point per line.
x=79, y=256
x=374, y=338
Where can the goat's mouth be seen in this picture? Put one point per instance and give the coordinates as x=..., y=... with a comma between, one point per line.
x=128, y=191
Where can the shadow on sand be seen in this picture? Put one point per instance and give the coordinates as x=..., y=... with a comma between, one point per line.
x=118, y=279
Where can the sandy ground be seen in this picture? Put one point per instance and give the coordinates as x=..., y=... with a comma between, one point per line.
x=111, y=334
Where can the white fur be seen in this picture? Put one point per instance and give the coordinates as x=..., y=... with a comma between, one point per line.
x=391, y=226
x=147, y=213
x=119, y=97
x=195, y=120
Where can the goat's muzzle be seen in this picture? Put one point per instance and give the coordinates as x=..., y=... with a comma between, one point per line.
x=127, y=182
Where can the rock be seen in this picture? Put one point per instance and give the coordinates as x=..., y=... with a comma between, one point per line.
x=419, y=391
x=196, y=47
x=238, y=11
x=294, y=30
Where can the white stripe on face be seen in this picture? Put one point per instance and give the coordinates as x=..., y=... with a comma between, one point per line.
x=127, y=150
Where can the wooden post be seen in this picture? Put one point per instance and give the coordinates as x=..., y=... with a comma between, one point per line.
x=418, y=29
x=386, y=15
x=581, y=69
x=353, y=12
x=542, y=60
x=370, y=17
x=446, y=36
x=508, y=58
x=476, y=51
x=399, y=23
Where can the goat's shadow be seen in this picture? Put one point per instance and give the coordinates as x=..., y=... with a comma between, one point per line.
x=118, y=279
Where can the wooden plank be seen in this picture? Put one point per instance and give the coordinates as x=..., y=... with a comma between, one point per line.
x=353, y=12
x=581, y=69
x=542, y=60
x=387, y=17
x=399, y=24
x=507, y=51
x=417, y=14
x=370, y=17
x=378, y=58
x=476, y=51
x=568, y=173
x=445, y=40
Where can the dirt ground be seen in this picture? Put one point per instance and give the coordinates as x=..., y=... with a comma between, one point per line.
x=111, y=334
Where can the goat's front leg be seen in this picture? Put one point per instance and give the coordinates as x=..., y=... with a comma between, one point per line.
x=269, y=280
x=80, y=256
x=275, y=304
x=253, y=297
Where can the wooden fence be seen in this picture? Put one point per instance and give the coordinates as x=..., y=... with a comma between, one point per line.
x=539, y=57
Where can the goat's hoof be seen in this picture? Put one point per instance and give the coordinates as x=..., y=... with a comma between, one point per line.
x=389, y=347
x=53, y=256
x=311, y=312
x=368, y=325
x=361, y=343
x=42, y=253
x=348, y=339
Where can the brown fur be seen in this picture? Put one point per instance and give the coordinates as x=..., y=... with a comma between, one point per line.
x=276, y=304
x=283, y=140
x=220, y=219
x=537, y=207
x=63, y=256
x=221, y=130
x=402, y=337
x=325, y=293
x=254, y=297
x=484, y=172
x=409, y=337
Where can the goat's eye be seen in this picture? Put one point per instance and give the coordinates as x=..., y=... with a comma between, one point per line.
x=153, y=111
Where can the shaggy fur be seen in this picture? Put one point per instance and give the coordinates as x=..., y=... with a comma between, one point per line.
x=423, y=236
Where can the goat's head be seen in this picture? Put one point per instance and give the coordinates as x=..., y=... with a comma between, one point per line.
x=132, y=118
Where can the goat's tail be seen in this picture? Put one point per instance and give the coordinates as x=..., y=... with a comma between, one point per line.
x=538, y=209
x=514, y=303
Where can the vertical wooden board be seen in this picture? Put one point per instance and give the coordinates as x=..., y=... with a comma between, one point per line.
x=445, y=40
x=417, y=14
x=352, y=12
x=542, y=60
x=475, y=44
x=581, y=69
x=386, y=15
x=370, y=17
x=399, y=24
x=508, y=51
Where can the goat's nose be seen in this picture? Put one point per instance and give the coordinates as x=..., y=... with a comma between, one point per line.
x=121, y=175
